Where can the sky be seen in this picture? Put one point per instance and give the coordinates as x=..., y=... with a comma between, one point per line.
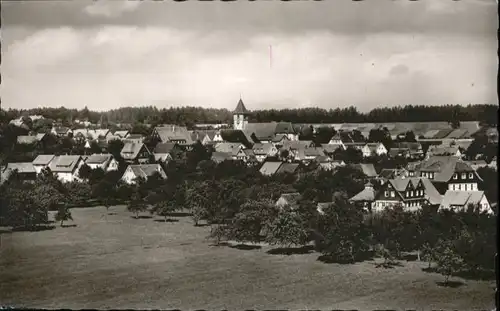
x=274, y=54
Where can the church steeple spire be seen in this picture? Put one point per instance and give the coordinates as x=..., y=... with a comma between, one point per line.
x=240, y=116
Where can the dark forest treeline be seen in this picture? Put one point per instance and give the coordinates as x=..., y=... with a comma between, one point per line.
x=188, y=116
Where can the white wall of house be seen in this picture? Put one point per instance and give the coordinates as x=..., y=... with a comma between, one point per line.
x=462, y=186
x=39, y=168
x=381, y=150
x=366, y=151
x=113, y=165
x=485, y=205
x=129, y=176
x=98, y=165
x=217, y=138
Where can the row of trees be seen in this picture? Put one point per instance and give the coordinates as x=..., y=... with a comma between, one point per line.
x=189, y=116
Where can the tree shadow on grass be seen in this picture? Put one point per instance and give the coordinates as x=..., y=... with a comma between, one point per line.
x=245, y=247
x=291, y=250
x=202, y=225
x=34, y=229
x=482, y=275
x=220, y=244
x=450, y=284
x=142, y=217
x=388, y=265
x=3, y=231
x=69, y=226
x=479, y=275
x=111, y=213
x=362, y=257
x=179, y=214
x=409, y=257
x=167, y=220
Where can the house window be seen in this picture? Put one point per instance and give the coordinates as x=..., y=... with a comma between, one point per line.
x=453, y=187
x=431, y=175
x=407, y=193
x=393, y=194
x=424, y=174
x=455, y=176
x=411, y=193
x=386, y=193
x=471, y=176
x=465, y=187
x=464, y=175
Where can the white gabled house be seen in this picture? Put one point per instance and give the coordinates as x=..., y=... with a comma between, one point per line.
x=42, y=161
x=460, y=200
x=141, y=171
x=106, y=162
x=66, y=167
x=371, y=149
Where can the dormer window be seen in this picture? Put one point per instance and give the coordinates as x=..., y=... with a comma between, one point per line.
x=386, y=193
x=464, y=175
x=471, y=176
x=411, y=193
x=455, y=176
x=393, y=194
x=407, y=193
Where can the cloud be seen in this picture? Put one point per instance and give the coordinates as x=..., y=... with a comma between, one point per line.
x=330, y=54
x=399, y=70
x=342, y=17
x=110, y=8
x=115, y=66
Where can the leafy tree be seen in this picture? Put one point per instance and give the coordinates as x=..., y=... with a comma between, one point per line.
x=247, y=224
x=161, y=206
x=63, y=214
x=115, y=146
x=448, y=259
x=94, y=147
x=218, y=233
x=136, y=204
x=84, y=172
x=105, y=191
x=324, y=134
x=345, y=234
x=287, y=229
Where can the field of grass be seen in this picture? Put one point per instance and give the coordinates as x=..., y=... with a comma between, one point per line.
x=120, y=262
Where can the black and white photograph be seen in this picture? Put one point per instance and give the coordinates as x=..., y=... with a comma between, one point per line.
x=249, y=155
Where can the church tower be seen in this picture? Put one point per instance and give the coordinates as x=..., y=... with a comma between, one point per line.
x=240, y=116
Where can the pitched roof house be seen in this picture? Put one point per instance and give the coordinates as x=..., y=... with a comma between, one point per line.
x=266, y=132
x=366, y=197
x=61, y=131
x=231, y=148
x=448, y=173
x=288, y=199
x=25, y=170
x=289, y=168
x=165, y=147
x=42, y=161
x=270, y=168
x=173, y=133
x=373, y=149
x=367, y=168
x=412, y=193
x=264, y=150
x=440, y=150
x=142, y=171
x=66, y=167
x=106, y=162
x=132, y=152
x=460, y=200
x=30, y=139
